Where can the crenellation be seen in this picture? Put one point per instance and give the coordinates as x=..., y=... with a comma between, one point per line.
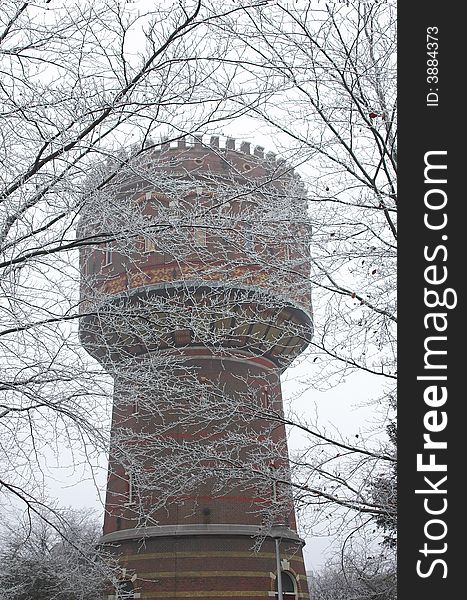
x=245, y=147
x=215, y=144
x=259, y=151
x=197, y=140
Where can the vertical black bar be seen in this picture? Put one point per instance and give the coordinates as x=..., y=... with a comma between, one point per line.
x=431, y=326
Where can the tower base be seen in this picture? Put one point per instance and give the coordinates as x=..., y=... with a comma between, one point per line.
x=208, y=561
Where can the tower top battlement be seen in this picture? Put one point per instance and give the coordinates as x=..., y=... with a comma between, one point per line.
x=216, y=142
x=251, y=161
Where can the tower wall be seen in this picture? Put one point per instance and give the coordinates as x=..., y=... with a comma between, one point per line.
x=195, y=318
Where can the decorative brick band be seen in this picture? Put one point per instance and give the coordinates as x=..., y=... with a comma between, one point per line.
x=200, y=555
x=206, y=594
x=161, y=279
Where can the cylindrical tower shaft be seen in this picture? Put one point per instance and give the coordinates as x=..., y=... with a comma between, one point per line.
x=195, y=318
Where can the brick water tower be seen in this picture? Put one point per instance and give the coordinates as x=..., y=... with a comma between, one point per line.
x=195, y=297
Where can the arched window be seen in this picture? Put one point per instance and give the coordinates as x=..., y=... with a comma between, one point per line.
x=199, y=237
x=265, y=397
x=107, y=252
x=125, y=590
x=249, y=239
x=288, y=587
x=131, y=489
x=149, y=245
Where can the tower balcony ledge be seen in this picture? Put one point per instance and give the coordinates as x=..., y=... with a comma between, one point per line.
x=224, y=530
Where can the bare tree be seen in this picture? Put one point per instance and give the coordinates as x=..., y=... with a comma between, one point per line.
x=80, y=81
x=332, y=105
x=58, y=559
x=83, y=169
x=358, y=576
x=84, y=113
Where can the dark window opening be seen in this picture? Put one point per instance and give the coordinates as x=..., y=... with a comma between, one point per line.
x=288, y=587
x=265, y=398
x=125, y=590
x=107, y=254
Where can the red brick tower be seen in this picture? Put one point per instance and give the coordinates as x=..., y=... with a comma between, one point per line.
x=195, y=305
